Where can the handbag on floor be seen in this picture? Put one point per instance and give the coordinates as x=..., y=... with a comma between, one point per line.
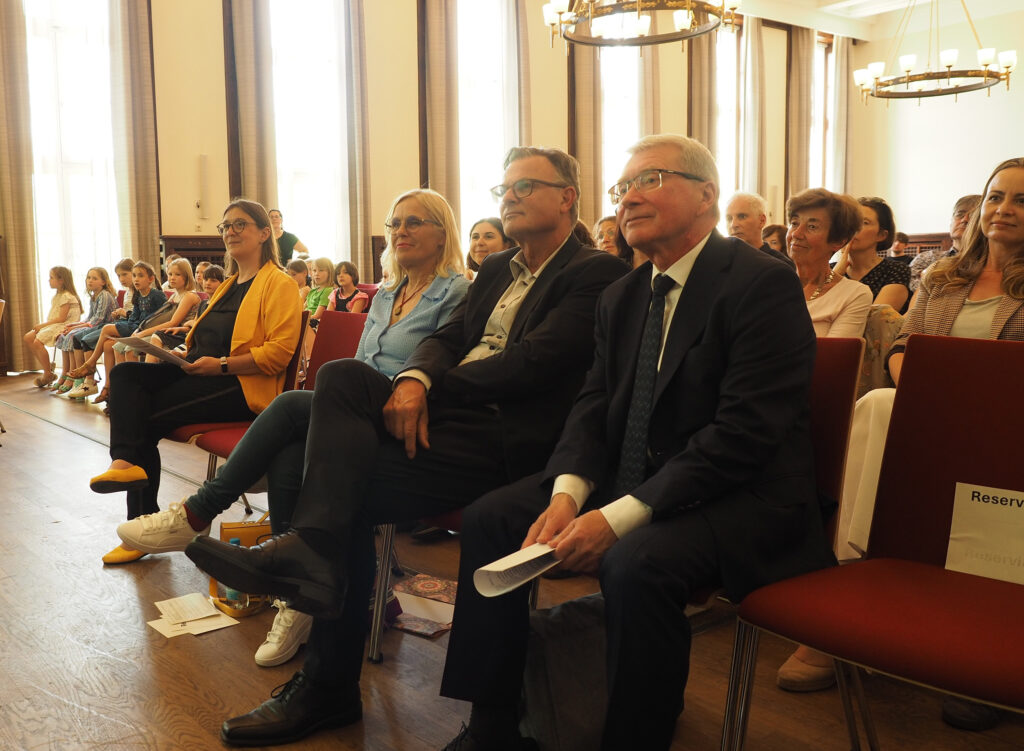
x=248, y=533
x=565, y=684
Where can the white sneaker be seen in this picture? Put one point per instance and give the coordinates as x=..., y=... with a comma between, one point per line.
x=289, y=632
x=162, y=532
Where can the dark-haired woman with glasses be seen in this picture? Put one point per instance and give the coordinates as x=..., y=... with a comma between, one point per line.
x=237, y=355
x=888, y=279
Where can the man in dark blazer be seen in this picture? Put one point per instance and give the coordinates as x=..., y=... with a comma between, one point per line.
x=745, y=217
x=481, y=403
x=716, y=488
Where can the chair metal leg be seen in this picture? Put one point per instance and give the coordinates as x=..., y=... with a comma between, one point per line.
x=380, y=597
x=245, y=502
x=865, y=711
x=211, y=472
x=849, y=713
x=396, y=565
x=741, y=682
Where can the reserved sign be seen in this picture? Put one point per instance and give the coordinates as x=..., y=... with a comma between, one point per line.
x=986, y=537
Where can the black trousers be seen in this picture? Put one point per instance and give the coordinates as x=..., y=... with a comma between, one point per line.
x=646, y=578
x=148, y=401
x=357, y=475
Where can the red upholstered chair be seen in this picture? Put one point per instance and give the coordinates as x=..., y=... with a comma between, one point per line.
x=370, y=290
x=120, y=298
x=900, y=612
x=192, y=432
x=337, y=337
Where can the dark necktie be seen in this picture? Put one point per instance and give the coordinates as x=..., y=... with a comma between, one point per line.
x=633, y=459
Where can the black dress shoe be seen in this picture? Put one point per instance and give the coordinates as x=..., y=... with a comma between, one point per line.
x=295, y=710
x=284, y=566
x=464, y=741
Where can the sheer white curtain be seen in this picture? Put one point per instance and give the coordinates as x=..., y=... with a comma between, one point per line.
x=835, y=159
x=75, y=200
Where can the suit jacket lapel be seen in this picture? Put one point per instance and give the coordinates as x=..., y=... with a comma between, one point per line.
x=536, y=293
x=1006, y=308
x=691, y=313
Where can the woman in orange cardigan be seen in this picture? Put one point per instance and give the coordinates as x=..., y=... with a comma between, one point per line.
x=238, y=352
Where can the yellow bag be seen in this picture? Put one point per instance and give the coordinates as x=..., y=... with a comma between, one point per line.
x=249, y=533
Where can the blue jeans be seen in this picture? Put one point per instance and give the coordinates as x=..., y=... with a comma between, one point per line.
x=275, y=445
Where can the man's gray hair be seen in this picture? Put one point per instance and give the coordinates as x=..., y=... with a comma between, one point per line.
x=693, y=157
x=753, y=199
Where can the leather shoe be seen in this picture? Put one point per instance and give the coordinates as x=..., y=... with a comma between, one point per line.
x=116, y=480
x=284, y=566
x=465, y=741
x=294, y=710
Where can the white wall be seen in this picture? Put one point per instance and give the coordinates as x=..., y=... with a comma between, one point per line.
x=188, y=68
x=922, y=157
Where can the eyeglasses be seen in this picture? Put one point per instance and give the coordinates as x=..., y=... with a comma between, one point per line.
x=412, y=223
x=646, y=181
x=238, y=226
x=522, y=188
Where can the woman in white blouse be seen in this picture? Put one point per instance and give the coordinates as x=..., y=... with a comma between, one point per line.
x=820, y=223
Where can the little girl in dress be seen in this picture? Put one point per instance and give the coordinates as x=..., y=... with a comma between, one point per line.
x=75, y=337
x=65, y=308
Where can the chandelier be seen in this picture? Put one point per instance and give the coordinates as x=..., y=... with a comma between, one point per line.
x=941, y=79
x=608, y=23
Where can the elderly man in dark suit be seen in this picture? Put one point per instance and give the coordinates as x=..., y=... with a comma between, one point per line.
x=481, y=403
x=685, y=463
x=745, y=217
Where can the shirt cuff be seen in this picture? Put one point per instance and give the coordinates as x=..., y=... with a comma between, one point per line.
x=577, y=487
x=626, y=514
x=415, y=374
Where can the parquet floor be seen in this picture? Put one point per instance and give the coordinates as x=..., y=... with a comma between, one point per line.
x=80, y=669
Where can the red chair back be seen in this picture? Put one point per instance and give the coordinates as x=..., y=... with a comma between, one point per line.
x=120, y=298
x=956, y=418
x=370, y=290
x=833, y=394
x=337, y=337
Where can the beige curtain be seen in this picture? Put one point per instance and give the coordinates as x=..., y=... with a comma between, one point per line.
x=443, y=101
x=361, y=226
x=254, y=74
x=134, y=124
x=836, y=164
x=753, y=156
x=801, y=85
x=522, y=20
x=650, y=84
x=703, y=102
x=587, y=133
x=18, y=272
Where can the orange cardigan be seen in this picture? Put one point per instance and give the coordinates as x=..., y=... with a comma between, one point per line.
x=267, y=327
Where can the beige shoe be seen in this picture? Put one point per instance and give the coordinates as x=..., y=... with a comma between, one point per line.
x=797, y=675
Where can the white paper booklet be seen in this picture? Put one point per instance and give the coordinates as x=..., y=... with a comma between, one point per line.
x=514, y=570
x=143, y=345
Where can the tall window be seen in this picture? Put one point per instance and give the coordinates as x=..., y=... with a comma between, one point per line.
x=76, y=222
x=309, y=120
x=620, y=114
x=819, y=169
x=488, y=103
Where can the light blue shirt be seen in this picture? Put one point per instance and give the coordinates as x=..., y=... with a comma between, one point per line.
x=386, y=348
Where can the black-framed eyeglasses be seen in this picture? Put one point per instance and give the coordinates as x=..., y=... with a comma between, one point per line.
x=522, y=188
x=648, y=180
x=238, y=226
x=412, y=223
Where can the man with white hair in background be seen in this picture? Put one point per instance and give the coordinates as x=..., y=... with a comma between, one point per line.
x=745, y=217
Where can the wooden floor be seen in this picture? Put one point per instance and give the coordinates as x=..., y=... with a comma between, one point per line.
x=80, y=669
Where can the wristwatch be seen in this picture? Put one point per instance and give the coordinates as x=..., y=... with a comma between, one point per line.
x=224, y=365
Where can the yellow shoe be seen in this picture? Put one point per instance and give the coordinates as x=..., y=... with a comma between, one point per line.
x=116, y=480
x=121, y=554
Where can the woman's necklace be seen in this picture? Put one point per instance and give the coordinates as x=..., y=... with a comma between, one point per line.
x=828, y=280
x=408, y=294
